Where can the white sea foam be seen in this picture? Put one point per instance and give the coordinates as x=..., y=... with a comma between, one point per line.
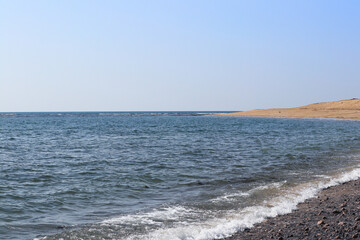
x=238, y=220
x=234, y=196
x=229, y=223
x=166, y=213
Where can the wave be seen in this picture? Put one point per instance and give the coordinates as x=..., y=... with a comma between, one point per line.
x=234, y=220
x=234, y=196
x=152, y=218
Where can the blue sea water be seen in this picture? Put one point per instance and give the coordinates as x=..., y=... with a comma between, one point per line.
x=162, y=175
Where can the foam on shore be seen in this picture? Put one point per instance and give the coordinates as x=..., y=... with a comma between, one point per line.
x=235, y=220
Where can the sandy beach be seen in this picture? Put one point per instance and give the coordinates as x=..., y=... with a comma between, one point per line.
x=344, y=109
x=333, y=214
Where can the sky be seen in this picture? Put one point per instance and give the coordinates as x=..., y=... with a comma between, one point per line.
x=185, y=55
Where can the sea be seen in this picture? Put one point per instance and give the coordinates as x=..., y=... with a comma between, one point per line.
x=162, y=175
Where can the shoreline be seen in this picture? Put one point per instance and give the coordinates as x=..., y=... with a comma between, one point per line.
x=334, y=213
x=345, y=109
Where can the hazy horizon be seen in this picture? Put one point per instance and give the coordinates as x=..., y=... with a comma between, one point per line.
x=66, y=56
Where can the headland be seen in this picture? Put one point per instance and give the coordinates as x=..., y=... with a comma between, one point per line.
x=344, y=109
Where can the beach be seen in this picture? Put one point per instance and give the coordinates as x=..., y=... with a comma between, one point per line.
x=333, y=214
x=344, y=109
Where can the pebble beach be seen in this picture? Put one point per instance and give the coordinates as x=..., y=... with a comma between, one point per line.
x=333, y=214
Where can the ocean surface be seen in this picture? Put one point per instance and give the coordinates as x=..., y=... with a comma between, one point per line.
x=162, y=175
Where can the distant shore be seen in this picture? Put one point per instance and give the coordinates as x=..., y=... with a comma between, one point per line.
x=344, y=109
x=333, y=214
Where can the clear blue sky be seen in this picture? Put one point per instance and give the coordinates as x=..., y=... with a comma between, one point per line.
x=112, y=55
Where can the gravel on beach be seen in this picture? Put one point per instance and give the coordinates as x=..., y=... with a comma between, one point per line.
x=333, y=214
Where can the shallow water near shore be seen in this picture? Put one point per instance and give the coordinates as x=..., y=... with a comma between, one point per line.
x=162, y=175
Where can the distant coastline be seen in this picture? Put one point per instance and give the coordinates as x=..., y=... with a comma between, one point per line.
x=344, y=109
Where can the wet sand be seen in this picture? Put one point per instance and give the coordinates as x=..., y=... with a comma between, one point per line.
x=344, y=109
x=333, y=214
